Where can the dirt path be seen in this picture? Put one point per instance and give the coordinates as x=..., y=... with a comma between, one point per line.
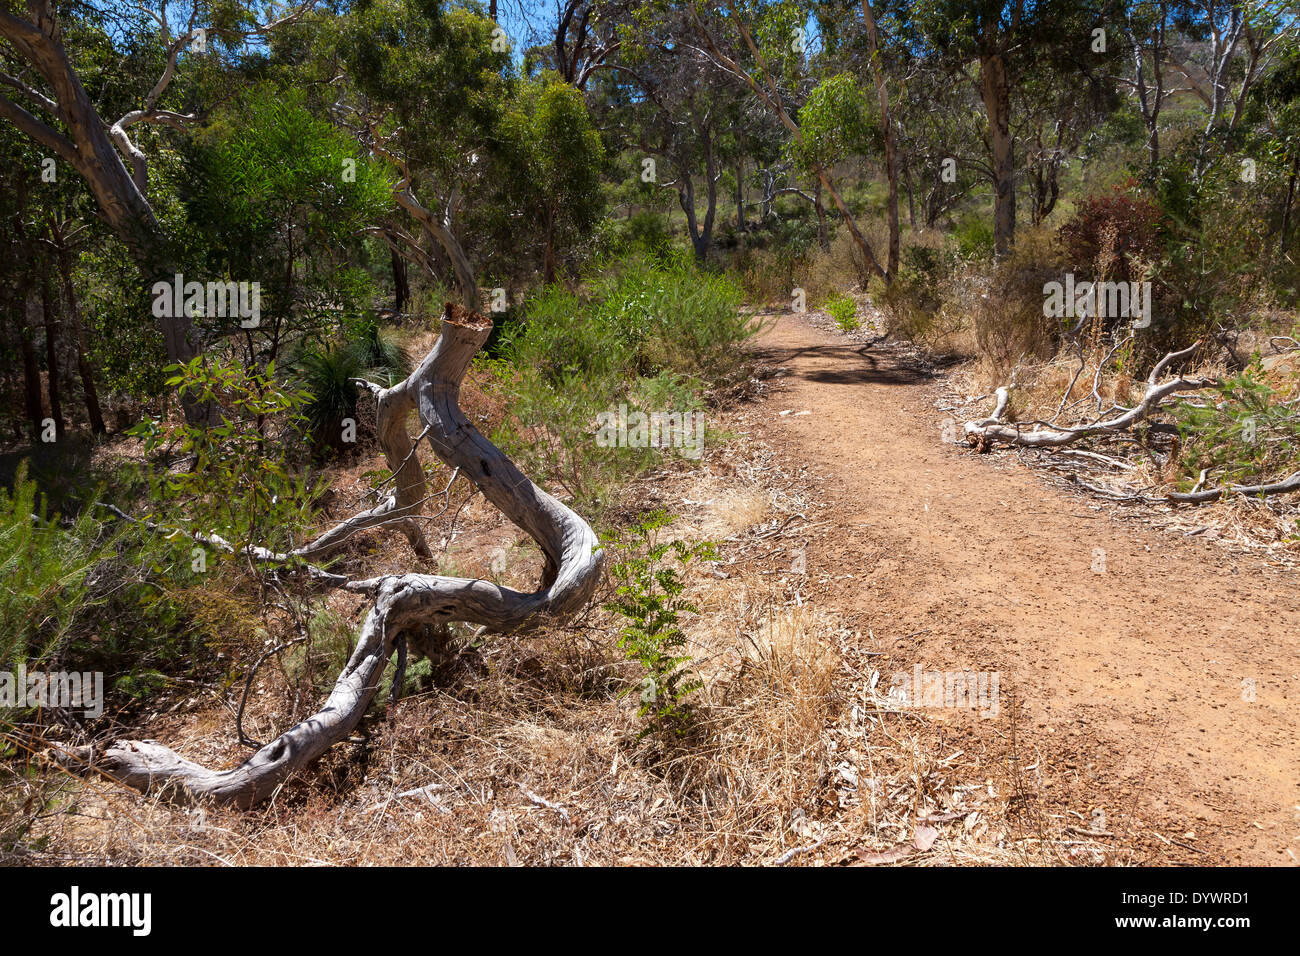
x=1130, y=682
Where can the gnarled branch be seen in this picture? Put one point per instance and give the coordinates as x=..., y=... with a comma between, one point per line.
x=1043, y=435
x=404, y=603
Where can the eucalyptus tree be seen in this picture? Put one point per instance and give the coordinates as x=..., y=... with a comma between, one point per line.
x=423, y=88
x=276, y=192
x=47, y=55
x=764, y=46
x=547, y=166
x=676, y=112
x=940, y=142
x=577, y=38
x=1063, y=102
x=996, y=45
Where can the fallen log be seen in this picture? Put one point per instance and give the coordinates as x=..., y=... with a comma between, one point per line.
x=1047, y=435
x=1285, y=486
x=404, y=603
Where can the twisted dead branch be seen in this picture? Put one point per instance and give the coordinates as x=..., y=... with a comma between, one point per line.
x=1285, y=486
x=1046, y=435
x=403, y=603
x=394, y=406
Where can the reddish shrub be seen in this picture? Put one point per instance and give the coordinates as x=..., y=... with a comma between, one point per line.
x=1108, y=233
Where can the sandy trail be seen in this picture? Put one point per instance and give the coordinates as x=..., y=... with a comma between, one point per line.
x=1130, y=682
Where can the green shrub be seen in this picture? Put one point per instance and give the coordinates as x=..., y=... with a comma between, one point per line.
x=327, y=373
x=1247, y=434
x=974, y=238
x=46, y=571
x=243, y=483
x=87, y=592
x=380, y=353
x=648, y=335
x=843, y=310
x=674, y=316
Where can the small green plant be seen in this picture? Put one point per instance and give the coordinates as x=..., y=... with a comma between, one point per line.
x=328, y=372
x=648, y=595
x=1248, y=435
x=974, y=238
x=844, y=311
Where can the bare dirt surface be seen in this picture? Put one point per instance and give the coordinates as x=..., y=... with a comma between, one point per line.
x=1125, y=692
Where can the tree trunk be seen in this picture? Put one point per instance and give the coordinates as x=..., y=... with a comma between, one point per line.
x=548, y=247
x=405, y=604
x=740, y=195
x=401, y=286
x=711, y=175
x=52, y=384
x=90, y=151
x=31, y=368
x=686, y=199
x=870, y=265
x=997, y=105
x=93, y=411
x=891, y=155
x=1290, y=199
x=441, y=233
x=911, y=194
x=823, y=234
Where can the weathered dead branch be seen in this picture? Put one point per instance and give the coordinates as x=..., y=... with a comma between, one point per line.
x=1047, y=435
x=394, y=407
x=404, y=603
x=1285, y=486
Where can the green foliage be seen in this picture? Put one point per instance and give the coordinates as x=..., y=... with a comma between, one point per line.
x=241, y=483
x=647, y=336
x=836, y=124
x=844, y=311
x=45, y=570
x=1220, y=267
x=645, y=233
x=648, y=595
x=555, y=157
x=327, y=371
x=82, y=593
x=672, y=315
x=281, y=197
x=381, y=353
x=974, y=238
x=1247, y=435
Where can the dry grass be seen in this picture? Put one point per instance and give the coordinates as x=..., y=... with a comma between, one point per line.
x=526, y=750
